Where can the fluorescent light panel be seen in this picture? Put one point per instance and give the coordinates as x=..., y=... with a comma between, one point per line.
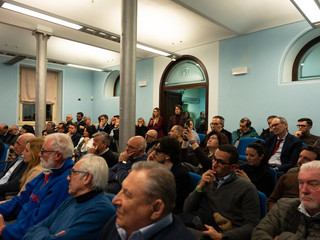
x=83, y=67
x=40, y=15
x=309, y=8
x=153, y=50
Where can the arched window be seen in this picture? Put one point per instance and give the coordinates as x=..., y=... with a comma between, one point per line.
x=306, y=64
x=112, y=84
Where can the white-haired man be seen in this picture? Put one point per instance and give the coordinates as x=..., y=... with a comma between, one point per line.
x=44, y=193
x=294, y=218
x=87, y=210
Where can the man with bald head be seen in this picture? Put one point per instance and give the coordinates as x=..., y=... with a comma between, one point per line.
x=151, y=139
x=10, y=178
x=135, y=152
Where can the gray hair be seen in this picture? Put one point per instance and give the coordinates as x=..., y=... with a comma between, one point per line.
x=104, y=136
x=62, y=143
x=160, y=183
x=141, y=141
x=98, y=167
x=282, y=120
x=313, y=165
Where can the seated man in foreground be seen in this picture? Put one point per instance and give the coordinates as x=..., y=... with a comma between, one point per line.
x=294, y=218
x=223, y=199
x=145, y=203
x=84, y=213
x=135, y=152
x=44, y=193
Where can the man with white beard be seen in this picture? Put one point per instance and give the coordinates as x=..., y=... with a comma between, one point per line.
x=294, y=218
x=43, y=194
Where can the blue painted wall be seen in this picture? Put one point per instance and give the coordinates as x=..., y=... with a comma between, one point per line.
x=258, y=93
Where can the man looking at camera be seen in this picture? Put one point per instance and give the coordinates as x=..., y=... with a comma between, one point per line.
x=227, y=204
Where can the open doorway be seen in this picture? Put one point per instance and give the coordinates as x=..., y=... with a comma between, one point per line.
x=184, y=82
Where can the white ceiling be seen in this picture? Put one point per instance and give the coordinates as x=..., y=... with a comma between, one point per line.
x=170, y=25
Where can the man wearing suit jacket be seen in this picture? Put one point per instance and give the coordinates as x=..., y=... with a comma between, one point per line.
x=282, y=148
x=167, y=152
x=10, y=178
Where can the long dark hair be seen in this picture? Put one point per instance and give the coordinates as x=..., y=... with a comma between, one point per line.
x=259, y=146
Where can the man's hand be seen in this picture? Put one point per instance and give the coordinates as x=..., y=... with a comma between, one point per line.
x=124, y=156
x=298, y=134
x=187, y=133
x=212, y=233
x=2, y=223
x=206, y=180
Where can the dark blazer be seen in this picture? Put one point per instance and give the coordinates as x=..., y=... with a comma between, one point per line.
x=11, y=140
x=13, y=184
x=110, y=157
x=175, y=230
x=184, y=186
x=228, y=134
x=75, y=139
x=290, y=151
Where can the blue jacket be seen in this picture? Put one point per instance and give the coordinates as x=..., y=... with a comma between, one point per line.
x=36, y=202
x=80, y=220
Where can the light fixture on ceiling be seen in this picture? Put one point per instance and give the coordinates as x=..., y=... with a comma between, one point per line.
x=153, y=50
x=39, y=15
x=310, y=9
x=83, y=67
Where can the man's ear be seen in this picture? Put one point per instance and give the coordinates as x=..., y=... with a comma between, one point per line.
x=157, y=209
x=87, y=178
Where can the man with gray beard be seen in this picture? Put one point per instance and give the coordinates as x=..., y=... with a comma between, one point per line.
x=44, y=193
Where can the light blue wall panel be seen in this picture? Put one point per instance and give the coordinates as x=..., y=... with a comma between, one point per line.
x=258, y=94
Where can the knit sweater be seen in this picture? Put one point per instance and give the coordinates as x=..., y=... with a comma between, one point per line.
x=36, y=202
x=79, y=220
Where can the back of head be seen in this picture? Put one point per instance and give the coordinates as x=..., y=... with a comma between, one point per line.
x=62, y=143
x=170, y=146
x=160, y=183
x=142, y=144
x=27, y=137
x=179, y=129
x=232, y=150
x=98, y=167
x=28, y=128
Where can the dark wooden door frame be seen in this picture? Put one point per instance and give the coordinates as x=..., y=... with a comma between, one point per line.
x=163, y=89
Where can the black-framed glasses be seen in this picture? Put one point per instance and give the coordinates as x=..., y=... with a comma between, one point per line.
x=157, y=150
x=42, y=151
x=147, y=135
x=220, y=162
x=72, y=172
x=301, y=125
x=275, y=125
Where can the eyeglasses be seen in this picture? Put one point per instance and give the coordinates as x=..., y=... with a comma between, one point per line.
x=214, y=124
x=157, y=150
x=147, y=135
x=302, y=126
x=72, y=172
x=42, y=151
x=275, y=125
x=220, y=163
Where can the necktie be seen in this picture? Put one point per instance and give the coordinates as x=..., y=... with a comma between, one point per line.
x=277, y=146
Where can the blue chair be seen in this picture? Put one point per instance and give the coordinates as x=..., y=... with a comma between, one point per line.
x=195, y=178
x=243, y=144
x=263, y=204
x=4, y=158
x=201, y=136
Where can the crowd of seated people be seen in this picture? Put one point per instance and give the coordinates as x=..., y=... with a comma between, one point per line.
x=223, y=205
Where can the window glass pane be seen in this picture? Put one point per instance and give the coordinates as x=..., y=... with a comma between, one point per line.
x=186, y=72
x=28, y=112
x=117, y=87
x=309, y=65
